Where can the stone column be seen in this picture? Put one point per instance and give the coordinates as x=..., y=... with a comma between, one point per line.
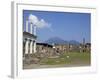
x=34, y=30
x=31, y=28
x=31, y=47
x=34, y=47
x=26, y=25
x=27, y=46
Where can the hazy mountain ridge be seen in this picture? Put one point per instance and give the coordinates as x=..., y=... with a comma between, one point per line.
x=57, y=40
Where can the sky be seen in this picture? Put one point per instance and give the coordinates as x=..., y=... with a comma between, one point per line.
x=65, y=25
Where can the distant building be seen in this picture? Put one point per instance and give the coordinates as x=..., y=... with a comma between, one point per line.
x=44, y=48
x=88, y=47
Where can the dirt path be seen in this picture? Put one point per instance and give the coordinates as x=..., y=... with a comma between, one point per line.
x=37, y=66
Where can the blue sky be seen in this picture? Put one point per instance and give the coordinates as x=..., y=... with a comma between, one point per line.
x=65, y=25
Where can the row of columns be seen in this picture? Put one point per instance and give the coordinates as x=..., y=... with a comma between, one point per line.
x=30, y=46
x=32, y=27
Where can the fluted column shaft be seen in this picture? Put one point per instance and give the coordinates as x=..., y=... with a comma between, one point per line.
x=31, y=46
x=34, y=46
x=27, y=46
x=26, y=25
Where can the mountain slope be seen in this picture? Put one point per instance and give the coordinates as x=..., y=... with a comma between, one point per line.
x=56, y=40
x=74, y=42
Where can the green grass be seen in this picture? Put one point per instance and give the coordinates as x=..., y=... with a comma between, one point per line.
x=74, y=58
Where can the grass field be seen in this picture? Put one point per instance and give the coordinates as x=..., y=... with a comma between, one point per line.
x=71, y=59
x=68, y=58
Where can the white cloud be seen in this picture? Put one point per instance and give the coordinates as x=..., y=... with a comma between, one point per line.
x=33, y=19
x=39, y=23
x=42, y=23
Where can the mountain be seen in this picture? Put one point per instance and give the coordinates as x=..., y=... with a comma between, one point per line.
x=57, y=40
x=74, y=42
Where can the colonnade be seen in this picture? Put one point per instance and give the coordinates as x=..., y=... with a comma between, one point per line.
x=30, y=43
x=30, y=46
